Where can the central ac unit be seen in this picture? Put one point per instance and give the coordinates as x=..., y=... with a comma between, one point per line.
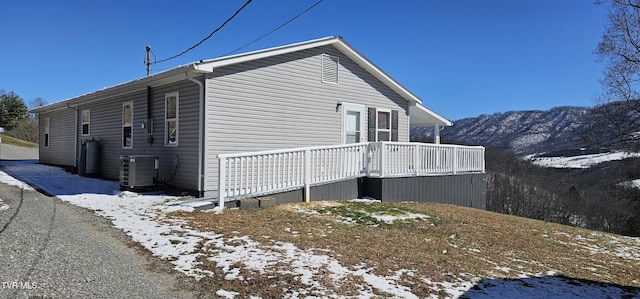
x=138, y=171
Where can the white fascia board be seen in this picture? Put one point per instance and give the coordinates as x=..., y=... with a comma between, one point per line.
x=210, y=65
x=336, y=41
x=175, y=74
x=421, y=116
x=365, y=63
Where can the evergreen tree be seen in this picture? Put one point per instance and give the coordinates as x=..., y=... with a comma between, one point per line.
x=12, y=110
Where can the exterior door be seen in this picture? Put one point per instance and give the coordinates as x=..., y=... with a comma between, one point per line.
x=352, y=132
x=352, y=123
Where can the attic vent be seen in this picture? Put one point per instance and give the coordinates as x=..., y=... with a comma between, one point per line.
x=330, y=69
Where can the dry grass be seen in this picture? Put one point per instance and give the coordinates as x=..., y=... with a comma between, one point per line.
x=452, y=243
x=15, y=141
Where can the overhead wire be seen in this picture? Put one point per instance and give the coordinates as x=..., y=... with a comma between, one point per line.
x=209, y=36
x=274, y=30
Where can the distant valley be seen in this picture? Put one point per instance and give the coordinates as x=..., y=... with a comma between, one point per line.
x=573, y=173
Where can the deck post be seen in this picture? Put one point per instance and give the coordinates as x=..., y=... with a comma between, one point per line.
x=436, y=134
x=307, y=175
x=221, y=180
x=483, y=162
x=368, y=156
x=383, y=154
x=455, y=160
x=416, y=159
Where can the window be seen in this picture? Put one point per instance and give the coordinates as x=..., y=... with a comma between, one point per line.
x=352, y=122
x=382, y=125
x=330, y=68
x=352, y=127
x=171, y=115
x=383, y=132
x=46, y=132
x=127, y=125
x=86, y=118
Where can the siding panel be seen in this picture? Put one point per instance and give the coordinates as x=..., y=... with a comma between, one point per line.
x=61, y=150
x=281, y=102
x=467, y=190
x=178, y=165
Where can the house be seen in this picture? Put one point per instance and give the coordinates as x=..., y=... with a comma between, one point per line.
x=316, y=93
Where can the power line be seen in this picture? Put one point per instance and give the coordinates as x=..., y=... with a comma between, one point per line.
x=209, y=36
x=274, y=30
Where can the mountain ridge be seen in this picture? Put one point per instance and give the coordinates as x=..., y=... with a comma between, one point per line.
x=522, y=132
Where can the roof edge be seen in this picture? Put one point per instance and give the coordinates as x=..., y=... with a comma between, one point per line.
x=210, y=64
x=434, y=119
x=204, y=66
x=177, y=72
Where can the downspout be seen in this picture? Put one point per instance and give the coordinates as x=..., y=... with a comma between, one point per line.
x=149, y=123
x=75, y=136
x=200, y=134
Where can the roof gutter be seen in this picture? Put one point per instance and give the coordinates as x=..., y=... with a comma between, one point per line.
x=120, y=89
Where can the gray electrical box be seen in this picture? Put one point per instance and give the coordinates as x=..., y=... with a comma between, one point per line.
x=138, y=171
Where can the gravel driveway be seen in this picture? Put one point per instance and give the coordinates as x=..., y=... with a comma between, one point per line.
x=51, y=249
x=12, y=152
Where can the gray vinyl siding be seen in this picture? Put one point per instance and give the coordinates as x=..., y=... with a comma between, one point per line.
x=467, y=190
x=185, y=175
x=61, y=137
x=105, y=126
x=178, y=165
x=281, y=102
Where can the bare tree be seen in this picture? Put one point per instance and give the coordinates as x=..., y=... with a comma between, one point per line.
x=618, y=109
x=37, y=102
x=26, y=129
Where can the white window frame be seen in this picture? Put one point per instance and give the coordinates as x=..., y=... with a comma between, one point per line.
x=337, y=63
x=127, y=125
x=167, y=120
x=85, y=123
x=378, y=130
x=47, y=140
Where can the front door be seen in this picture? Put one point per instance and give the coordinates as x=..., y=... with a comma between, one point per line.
x=352, y=123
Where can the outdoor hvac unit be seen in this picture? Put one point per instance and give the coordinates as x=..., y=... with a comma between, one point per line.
x=137, y=171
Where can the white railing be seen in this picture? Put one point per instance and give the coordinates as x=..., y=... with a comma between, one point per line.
x=252, y=174
x=390, y=159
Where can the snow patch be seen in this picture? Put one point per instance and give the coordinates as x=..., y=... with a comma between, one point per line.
x=632, y=184
x=145, y=219
x=227, y=294
x=529, y=139
x=582, y=161
x=3, y=206
x=9, y=180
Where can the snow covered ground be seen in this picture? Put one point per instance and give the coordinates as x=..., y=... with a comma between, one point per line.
x=144, y=219
x=583, y=161
x=633, y=183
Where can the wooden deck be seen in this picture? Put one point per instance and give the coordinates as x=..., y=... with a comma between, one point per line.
x=255, y=174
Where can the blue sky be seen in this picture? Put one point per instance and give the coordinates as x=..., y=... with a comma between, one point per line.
x=462, y=58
